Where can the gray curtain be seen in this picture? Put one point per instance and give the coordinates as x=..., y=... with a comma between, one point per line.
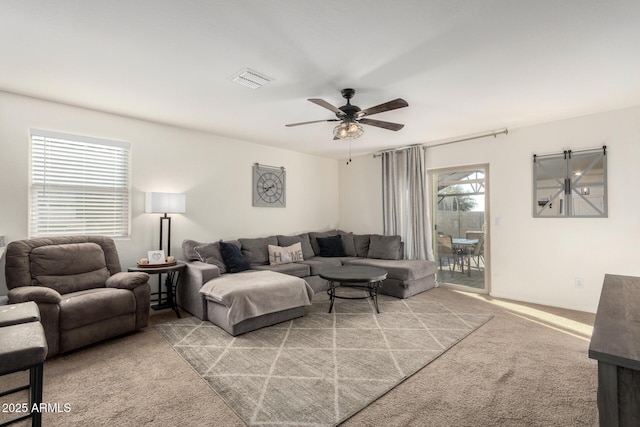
x=405, y=201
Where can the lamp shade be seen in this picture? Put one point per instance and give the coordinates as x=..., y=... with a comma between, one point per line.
x=165, y=203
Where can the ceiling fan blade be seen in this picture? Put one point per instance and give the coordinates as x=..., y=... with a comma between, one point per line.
x=381, y=124
x=325, y=104
x=314, y=121
x=387, y=106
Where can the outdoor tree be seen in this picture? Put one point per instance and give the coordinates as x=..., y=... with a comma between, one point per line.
x=459, y=201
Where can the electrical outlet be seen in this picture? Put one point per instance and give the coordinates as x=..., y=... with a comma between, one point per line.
x=579, y=283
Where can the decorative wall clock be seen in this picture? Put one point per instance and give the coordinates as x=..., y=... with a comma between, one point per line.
x=269, y=186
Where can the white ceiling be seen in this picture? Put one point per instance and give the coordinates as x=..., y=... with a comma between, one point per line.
x=463, y=66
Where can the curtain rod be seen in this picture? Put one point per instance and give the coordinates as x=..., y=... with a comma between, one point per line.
x=567, y=153
x=426, y=145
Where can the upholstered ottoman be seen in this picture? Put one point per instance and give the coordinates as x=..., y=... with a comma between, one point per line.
x=24, y=347
x=243, y=302
x=14, y=314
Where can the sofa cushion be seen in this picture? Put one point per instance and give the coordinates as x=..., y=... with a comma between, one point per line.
x=384, y=247
x=285, y=255
x=361, y=243
x=330, y=246
x=318, y=263
x=210, y=253
x=256, y=250
x=403, y=270
x=292, y=269
x=307, y=250
x=95, y=305
x=233, y=258
x=73, y=258
x=69, y=267
x=348, y=243
x=74, y=282
x=314, y=235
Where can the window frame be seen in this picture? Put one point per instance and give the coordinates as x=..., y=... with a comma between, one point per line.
x=105, y=178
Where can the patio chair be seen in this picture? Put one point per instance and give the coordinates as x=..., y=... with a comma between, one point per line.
x=472, y=235
x=446, y=251
x=477, y=255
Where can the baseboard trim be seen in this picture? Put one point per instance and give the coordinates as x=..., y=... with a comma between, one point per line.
x=542, y=301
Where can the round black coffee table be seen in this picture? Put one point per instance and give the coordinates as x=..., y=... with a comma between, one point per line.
x=370, y=277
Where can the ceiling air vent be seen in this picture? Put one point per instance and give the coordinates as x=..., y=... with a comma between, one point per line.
x=251, y=79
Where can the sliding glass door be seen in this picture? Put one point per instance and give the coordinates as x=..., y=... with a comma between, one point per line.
x=459, y=211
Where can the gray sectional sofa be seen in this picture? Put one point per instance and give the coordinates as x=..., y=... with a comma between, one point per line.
x=205, y=263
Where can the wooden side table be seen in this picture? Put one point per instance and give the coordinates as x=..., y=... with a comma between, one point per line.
x=172, y=279
x=615, y=344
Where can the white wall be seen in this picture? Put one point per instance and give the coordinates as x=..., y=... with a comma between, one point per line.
x=534, y=260
x=361, y=195
x=213, y=171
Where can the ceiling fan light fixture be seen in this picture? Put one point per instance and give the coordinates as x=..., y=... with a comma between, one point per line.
x=348, y=130
x=352, y=117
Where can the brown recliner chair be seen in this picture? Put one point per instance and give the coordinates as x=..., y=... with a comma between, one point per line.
x=80, y=290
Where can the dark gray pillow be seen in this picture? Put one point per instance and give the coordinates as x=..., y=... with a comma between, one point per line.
x=233, y=258
x=307, y=250
x=384, y=247
x=314, y=235
x=210, y=253
x=361, y=243
x=256, y=251
x=331, y=246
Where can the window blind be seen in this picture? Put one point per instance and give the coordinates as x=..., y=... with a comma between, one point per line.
x=79, y=185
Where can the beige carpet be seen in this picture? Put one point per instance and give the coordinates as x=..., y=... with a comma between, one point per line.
x=322, y=368
x=528, y=366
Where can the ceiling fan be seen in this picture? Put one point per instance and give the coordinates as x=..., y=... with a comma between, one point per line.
x=351, y=116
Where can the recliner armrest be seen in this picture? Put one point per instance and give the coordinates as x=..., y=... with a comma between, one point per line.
x=127, y=280
x=37, y=294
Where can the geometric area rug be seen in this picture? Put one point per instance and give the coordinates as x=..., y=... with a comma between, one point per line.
x=320, y=369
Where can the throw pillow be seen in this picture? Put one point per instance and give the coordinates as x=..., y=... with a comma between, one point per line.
x=285, y=255
x=348, y=243
x=331, y=246
x=384, y=247
x=189, y=250
x=307, y=249
x=233, y=258
x=255, y=249
x=313, y=238
x=210, y=253
x=361, y=243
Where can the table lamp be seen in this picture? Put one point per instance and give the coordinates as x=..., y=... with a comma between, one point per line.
x=165, y=203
